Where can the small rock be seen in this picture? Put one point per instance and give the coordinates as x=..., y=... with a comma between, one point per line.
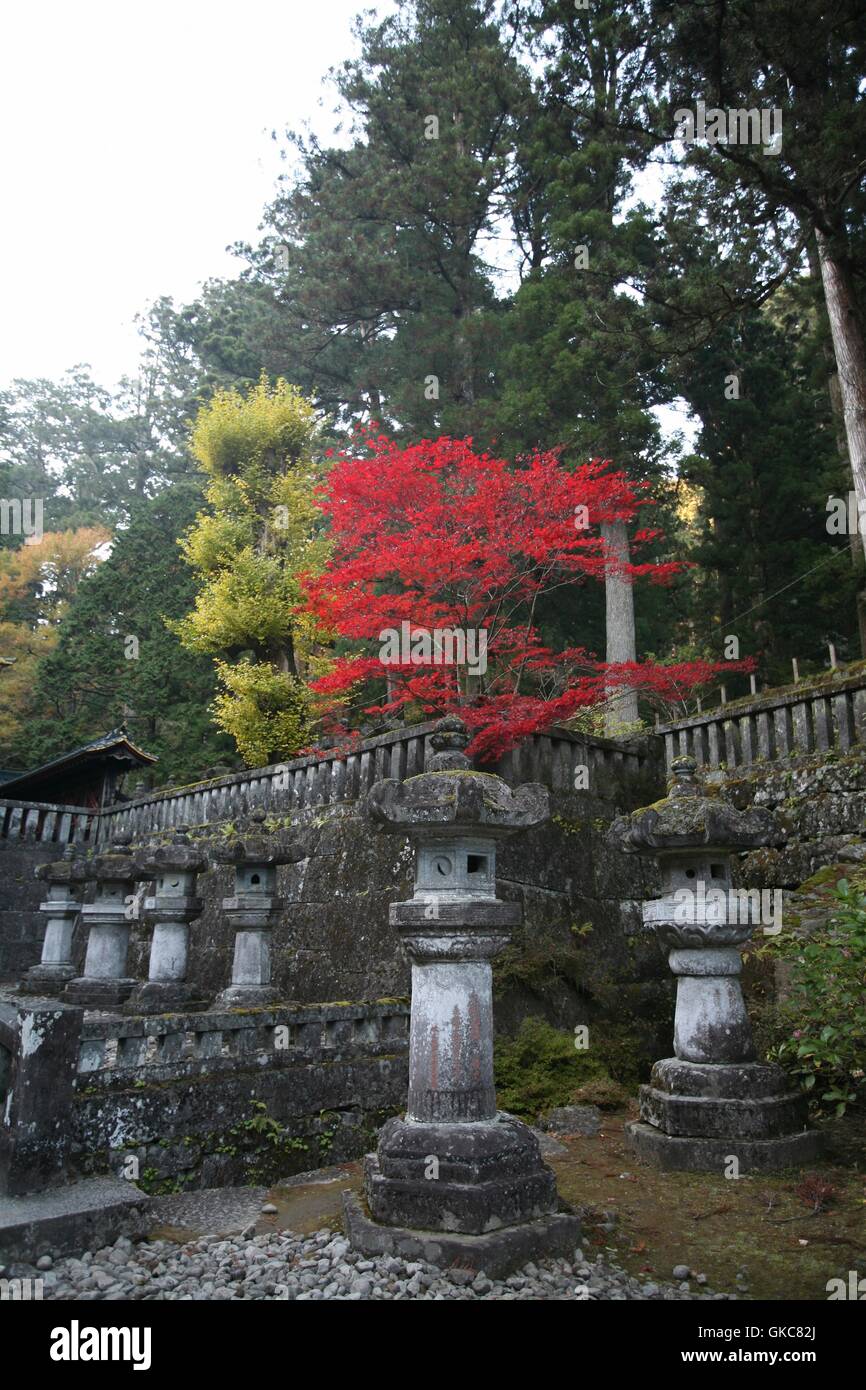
x=573, y=1119
x=681, y=1272
x=269, y=1209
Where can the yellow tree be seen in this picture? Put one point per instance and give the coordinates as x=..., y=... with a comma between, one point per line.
x=38, y=581
x=260, y=532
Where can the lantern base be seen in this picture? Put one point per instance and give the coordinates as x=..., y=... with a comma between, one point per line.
x=497, y=1253
x=750, y=1099
x=699, y=1115
x=162, y=997
x=472, y=1178
x=682, y=1154
x=98, y=994
x=246, y=997
x=46, y=979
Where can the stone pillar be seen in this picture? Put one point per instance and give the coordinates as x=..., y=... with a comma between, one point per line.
x=454, y=1178
x=105, y=983
x=174, y=869
x=62, y=905
x=39, y=1045
x=252, y=911
x=713, y=1101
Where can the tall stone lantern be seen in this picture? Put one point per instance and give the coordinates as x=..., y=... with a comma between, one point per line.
x=105, y=983
x=252, y=910
x=65, y=879
x=454, y=1179
x=173, y=905
x=713, y=1101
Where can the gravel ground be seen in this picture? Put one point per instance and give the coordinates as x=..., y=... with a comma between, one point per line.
x=282, y=1265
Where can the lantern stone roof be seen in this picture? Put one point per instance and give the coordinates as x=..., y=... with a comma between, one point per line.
x=688, y=820
x=114, y=865
x=256, y=846
x=177, y=857
x=452, y=797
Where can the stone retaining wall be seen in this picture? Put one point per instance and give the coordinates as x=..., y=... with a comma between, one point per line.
x=195, y=1100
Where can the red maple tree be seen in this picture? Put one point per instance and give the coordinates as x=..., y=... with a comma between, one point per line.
x=435, y=537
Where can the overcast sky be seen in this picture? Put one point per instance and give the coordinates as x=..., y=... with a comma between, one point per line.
x=135, y=148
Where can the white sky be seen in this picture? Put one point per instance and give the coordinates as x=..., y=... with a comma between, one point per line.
x=134, y=147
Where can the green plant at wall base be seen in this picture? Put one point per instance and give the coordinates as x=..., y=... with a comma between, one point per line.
x=542, y=1068
x=824, y=1019
x=262, y=1123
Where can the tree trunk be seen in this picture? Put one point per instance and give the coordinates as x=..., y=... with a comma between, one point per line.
x=858, y=561
x=850, y=349
x=619, y=615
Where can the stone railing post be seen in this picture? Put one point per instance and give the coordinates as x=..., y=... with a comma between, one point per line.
x=252, y=911
x=172, y=907
x=453, y=1165
x=40, y=1040
x=105, y=983
x=713, y=1101
x=62, y=905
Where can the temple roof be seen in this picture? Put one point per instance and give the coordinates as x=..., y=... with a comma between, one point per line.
x=115, y=746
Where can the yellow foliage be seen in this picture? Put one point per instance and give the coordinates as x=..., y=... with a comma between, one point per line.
x=246, y=606
x=52, y=567
x=41, y=578
x=267, y=430
x=265, y=710
x=24, y=648
x=260, y=532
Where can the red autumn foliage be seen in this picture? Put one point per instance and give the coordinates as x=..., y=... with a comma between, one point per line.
x=436, y=536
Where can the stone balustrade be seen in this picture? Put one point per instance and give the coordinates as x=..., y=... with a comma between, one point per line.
x=327, y=779
x=194, y=1098
x=176, y=1046
x=331, y=778
x=831, y=714
x=45, y=822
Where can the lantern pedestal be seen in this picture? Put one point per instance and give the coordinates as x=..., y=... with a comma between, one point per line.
x=454, y=1179
x=253, y=910
x=713, y=1103
x=498, y=1253
x=61, y=907
x=696, y=1116
x=105, y=984
x=174, y=869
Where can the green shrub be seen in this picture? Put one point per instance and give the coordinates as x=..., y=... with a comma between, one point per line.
x=824, y=1020
x=541, y=1068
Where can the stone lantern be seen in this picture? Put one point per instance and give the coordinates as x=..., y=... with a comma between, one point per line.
x=252, y=911
x=62, y=905
x=174, y=869
x=455, y=1179
x=105, y=983
x=713, y=1101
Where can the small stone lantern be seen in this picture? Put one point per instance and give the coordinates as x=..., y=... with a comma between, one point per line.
x=454, y=1166
x=105, y=983
x=65, y=878
x=252, y=911
x=713, y=1101
x=174, y=869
